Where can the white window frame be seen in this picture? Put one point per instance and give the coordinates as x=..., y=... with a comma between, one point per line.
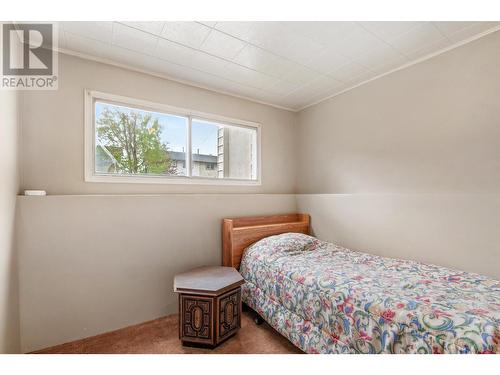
x=92, y=96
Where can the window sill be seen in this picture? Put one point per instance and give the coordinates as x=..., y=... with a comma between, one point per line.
x=162, y=180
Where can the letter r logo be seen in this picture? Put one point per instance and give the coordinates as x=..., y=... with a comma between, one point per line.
x=27, y=49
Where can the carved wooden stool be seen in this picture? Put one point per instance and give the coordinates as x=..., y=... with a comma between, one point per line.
x=209, y=305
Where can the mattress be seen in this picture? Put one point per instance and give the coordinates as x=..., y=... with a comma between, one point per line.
x=328, y=299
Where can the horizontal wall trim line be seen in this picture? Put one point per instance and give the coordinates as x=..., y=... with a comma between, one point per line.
x=416, y=194
x=49, y=196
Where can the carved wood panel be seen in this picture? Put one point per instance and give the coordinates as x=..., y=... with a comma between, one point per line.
x=197, y=314
x=229, y=313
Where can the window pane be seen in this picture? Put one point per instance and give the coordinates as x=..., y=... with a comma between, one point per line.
x=223, y=151
x=139, y=142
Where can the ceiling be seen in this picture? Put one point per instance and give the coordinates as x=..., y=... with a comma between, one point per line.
x=287, y=64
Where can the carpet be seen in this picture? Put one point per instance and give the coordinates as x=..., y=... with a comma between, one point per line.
x=161, y=336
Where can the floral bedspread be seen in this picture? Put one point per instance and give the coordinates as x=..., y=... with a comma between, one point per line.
x=328, y=299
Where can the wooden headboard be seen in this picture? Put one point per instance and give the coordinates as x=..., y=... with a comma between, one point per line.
x=240, y=232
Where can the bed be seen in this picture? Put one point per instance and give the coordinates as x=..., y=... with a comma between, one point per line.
x=328, y=299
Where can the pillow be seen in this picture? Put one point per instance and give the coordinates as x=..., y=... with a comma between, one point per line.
x=286, y=242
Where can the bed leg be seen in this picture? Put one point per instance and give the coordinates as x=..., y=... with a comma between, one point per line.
x=258, y=319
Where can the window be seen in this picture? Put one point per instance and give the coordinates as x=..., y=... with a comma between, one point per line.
x=130, y=140
x=231, y=148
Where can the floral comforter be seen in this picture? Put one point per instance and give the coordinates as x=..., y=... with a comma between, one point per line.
x=328, y=299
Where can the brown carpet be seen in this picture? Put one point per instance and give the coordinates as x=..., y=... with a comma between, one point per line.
x=162, y=336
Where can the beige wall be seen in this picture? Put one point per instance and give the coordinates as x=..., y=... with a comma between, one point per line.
x=409, y=165
x=459, y=231
x=53, y=129
x=433, y=127
x=91, y=264
x=9, y=184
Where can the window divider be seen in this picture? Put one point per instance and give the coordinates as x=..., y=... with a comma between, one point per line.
x=189, y=147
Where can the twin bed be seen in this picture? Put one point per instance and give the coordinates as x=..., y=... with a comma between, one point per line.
x=328, y=299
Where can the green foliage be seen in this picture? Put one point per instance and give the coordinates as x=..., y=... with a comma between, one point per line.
x=134, y=140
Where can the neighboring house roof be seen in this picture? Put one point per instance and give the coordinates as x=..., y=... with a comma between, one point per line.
x=104, y=159
x=175, y=155
x=106, y=151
